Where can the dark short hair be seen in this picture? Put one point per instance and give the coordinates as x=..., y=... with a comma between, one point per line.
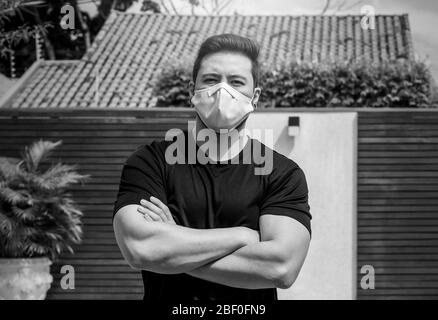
x=230, y=43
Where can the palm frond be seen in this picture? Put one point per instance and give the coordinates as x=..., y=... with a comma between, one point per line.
x=9, y=169
x=38, y=216
x=6, y=227
x=24, y=215
x=38, y=152
x=12, y=197
x=60, y=176
x=34, y=249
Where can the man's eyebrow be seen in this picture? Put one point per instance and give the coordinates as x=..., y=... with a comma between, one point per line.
x=210, y=74
x=217, y=74
x=237, y=76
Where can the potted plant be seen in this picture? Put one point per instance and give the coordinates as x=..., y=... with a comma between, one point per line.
x=38, y=220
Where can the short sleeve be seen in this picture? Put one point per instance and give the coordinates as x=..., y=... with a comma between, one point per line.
x=287, y=194
x=142, y=176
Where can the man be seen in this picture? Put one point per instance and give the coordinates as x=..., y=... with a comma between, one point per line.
x=216, y=230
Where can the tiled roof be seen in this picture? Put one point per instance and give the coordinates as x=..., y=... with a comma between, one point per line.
x=132, y=48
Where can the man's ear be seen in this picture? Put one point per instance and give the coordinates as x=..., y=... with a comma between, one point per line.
x=255, y=100
x=191, y=89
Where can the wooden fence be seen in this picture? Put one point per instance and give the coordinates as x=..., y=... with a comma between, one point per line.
x=398, y=203
x=99, y=146
x=397, y=193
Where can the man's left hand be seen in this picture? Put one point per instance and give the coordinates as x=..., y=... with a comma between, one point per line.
x=155, y=210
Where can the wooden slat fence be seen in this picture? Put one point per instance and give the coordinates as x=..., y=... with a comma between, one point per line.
x=99, y=146
x=398, y=203
x=397, y=194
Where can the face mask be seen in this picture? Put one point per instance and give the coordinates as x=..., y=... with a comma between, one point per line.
x=221, y=106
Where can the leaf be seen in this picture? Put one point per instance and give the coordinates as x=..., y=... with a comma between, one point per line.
x=9, y=169
x=38, y=152
x=12, y=197
x=59, y=176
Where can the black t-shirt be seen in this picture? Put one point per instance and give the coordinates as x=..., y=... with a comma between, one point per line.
x=212, y=195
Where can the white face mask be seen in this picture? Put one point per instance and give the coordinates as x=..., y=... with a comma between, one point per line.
x=221, y=106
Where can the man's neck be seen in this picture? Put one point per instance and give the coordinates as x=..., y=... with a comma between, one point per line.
x=228, y=145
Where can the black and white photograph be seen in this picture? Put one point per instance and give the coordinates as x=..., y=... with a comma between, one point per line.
x=200, y=152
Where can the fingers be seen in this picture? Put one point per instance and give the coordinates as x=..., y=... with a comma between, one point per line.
x=147, y=218
x=162, y=206
x=149, y=205
x=156, y=213
x=152, y=215
x=156, y=210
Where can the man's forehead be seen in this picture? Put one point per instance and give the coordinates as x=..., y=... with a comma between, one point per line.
x=228, y=63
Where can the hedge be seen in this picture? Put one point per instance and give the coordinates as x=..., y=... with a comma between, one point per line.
x=393, y=84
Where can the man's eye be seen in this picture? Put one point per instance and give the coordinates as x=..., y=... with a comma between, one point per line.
x=237, y=83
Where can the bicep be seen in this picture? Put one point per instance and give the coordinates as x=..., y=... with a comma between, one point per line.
x=129, y=223
x=289, y=237
x=131, y=229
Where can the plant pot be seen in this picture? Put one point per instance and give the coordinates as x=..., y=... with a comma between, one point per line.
x=24, y=278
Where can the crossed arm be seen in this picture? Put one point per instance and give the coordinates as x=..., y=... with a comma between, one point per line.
x=238, y=256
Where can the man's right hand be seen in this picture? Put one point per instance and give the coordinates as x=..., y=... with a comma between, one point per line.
x=155, y=210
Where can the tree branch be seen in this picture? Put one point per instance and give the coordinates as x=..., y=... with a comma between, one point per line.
x=226, y=4
x=173, y=6
x=326, y=7
x=164, y=6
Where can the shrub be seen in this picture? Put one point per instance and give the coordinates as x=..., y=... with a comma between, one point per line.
x=347, y=84
x=171, y=87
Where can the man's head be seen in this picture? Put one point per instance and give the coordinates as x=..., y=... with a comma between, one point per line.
x=227, y=58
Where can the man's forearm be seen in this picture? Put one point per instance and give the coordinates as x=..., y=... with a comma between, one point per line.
x=166, y=248
x=254, y=266
x=274, y=259
x=177, y=249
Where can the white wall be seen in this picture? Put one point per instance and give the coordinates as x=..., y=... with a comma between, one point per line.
x=326, y=150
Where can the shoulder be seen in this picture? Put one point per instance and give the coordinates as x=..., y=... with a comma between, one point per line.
x=276, y=164
x=156, y=149
x=152, y=151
